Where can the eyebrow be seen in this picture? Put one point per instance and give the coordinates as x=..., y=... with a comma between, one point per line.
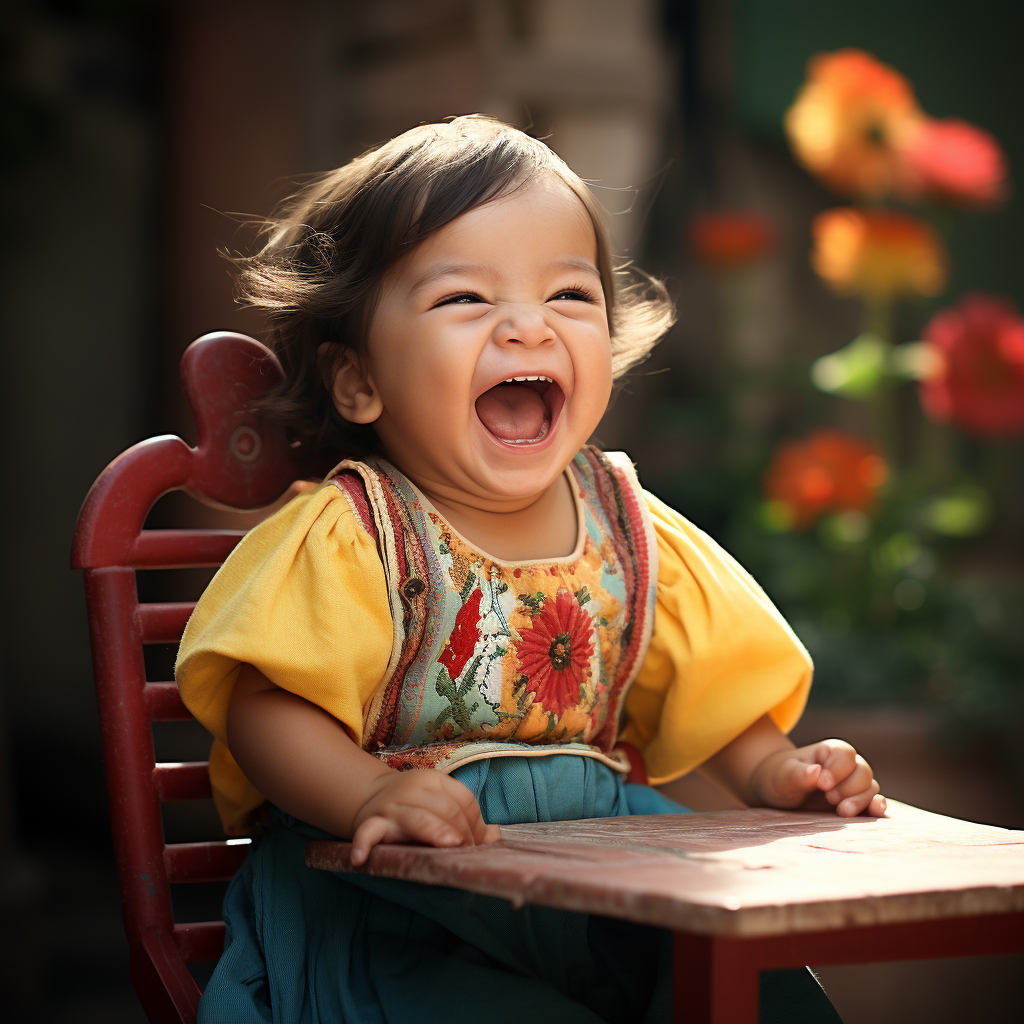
x=450, y=270
x=454, y=269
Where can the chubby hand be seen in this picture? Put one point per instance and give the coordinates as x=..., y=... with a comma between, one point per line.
x=832, y=768
x=420, y=806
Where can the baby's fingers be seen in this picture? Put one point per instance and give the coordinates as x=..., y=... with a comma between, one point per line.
x=467, y=803
x=792, y=781
x=856, y=782
x=405, y=824
x=853, y=805
x=371, y=832
x=838, y=761
x=436, y=826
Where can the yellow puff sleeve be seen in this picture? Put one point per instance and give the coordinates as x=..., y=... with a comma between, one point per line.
x=303, y=599
x=721, y=655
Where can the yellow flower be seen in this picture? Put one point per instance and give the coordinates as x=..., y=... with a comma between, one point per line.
x=849, y=121
x=878, y=254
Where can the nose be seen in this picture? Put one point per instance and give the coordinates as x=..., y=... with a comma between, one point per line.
x=522, y=324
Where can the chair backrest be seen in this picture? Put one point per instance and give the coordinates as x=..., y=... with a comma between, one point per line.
x=238, y=462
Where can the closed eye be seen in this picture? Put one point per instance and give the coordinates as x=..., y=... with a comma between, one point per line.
x=458, y=298
x=575, y=294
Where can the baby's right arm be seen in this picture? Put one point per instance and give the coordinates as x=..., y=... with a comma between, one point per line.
x=302, y=759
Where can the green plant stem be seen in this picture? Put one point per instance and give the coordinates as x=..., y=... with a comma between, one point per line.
x=937, y=459
x=1000, y=475
x=882, y=404
x=878, y=318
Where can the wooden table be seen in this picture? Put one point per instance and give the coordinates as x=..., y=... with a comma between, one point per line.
x=752, y=890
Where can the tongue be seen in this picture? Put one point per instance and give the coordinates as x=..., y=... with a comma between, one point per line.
x=512, y=412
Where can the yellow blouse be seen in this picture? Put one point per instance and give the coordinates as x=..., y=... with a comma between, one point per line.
x=303, y=599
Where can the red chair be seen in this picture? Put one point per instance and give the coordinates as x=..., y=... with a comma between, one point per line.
x=238, y=462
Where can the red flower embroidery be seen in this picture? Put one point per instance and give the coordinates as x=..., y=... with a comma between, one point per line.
x=555, y=650
x=978, y=381
x=461, y=644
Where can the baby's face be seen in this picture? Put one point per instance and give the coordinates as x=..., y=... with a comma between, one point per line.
x=508, y=290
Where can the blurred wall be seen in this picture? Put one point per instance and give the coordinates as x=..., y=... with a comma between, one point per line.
x=79, y=282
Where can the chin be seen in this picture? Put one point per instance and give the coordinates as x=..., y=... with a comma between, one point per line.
x=518, y=474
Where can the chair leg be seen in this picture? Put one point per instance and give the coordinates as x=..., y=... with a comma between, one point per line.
x=714, y=981
x=166, y=989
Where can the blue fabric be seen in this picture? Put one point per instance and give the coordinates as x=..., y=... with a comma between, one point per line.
x=315, y=947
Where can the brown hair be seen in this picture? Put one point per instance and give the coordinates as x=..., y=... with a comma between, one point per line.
x=327, y=249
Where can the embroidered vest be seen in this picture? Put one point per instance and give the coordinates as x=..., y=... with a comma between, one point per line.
x=493, y=658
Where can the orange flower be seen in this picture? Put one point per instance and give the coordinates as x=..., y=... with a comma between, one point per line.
x=828, y=470
x=730, y=239
x=849, y=120
x=978, y=380
x=877, y=253
x=951, y=162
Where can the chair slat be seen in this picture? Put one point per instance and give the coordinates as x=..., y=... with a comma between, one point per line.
x=163, y=703
x=203, y=862
x=182, y=780
x=164, y=622
x=200, y=941
x=182, y=549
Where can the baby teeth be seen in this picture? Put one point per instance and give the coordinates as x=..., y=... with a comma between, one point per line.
x=536, y=377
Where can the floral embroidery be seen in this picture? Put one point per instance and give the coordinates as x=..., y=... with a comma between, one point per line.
x=555, y=651
x=460, y=646
x=498, y=659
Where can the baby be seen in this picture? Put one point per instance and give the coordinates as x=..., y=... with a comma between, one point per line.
x=457, y=629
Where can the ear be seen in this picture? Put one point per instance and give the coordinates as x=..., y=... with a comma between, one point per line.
x=354, y=393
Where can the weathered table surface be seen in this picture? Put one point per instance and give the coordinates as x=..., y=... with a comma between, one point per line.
x=731, y=874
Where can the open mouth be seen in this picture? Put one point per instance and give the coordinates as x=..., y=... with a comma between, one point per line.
x=520, y=410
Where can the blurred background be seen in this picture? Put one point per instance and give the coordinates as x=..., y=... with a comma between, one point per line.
x=828, y=191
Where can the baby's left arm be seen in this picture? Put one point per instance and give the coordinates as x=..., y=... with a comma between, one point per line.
x=764, y=769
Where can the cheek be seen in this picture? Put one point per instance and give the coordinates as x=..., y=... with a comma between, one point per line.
x=603, y=394
x=419, y=385
x=398, y=368
x=600, y=366
x=596, y=392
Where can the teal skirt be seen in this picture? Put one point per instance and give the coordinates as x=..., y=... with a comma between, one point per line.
x=315, y=947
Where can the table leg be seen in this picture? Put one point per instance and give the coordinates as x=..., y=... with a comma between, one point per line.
x=714, y=980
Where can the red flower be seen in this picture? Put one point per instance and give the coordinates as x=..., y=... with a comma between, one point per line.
x=460, y=646
x=730, y=239
x=951, y=161
x=978, y=381
x=827, y=470
x=555, y=651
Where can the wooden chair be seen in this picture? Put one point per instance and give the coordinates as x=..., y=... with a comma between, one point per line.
x=240, y=463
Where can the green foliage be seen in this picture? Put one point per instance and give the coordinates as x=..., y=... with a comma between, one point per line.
x=892, y=604
x=854, y=371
